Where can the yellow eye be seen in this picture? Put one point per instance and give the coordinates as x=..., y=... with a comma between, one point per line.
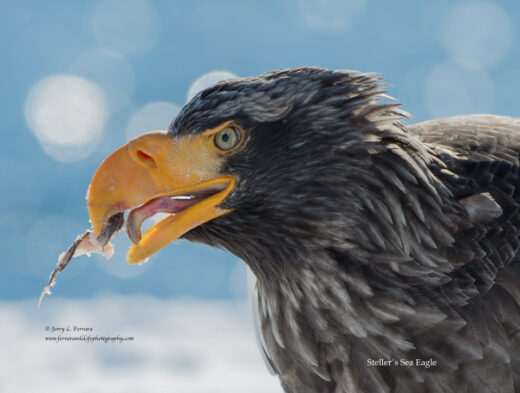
x=227, y=138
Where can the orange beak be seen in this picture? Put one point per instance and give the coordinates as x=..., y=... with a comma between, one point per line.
x=159, y=174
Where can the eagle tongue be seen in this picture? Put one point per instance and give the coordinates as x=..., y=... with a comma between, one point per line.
x=159, y=205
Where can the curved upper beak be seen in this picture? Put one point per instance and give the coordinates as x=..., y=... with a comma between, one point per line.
x=155, y=171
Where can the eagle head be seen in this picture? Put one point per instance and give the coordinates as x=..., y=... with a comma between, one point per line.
x=265, y=165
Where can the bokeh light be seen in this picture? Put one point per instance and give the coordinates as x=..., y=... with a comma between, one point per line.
x=331, y=16
x=208, y=80
x=151, y=117
x=111, y=71
x=453, y=90
x=477, y=34
x=67, y=114
x=127, y=26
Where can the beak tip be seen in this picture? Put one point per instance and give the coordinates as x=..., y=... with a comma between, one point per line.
x=134, y=256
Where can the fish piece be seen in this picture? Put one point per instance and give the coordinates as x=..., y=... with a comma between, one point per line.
x=87, y=243
x=114, y=224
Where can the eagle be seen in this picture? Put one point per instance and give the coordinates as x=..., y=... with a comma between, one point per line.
x=385, y=254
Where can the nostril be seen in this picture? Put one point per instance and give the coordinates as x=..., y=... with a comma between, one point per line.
x=146, y=159
x=142, y=154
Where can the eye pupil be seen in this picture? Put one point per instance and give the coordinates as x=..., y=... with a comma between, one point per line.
x=225, y=137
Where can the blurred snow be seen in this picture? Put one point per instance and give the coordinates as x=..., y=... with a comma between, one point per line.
x=67, y=114
x=208, y=80
x=331, y=16
x=109, y=70
x=477, y=34
x=151, y=117
x=184, y=346
x=128, y=26
x=453, y=90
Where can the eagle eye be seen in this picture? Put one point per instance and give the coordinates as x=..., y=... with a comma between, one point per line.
x=227, y=138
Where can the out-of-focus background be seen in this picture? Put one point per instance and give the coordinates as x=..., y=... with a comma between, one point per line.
x=80, y=78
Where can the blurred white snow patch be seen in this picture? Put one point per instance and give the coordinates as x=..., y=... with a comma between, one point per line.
x=117, y=265
x=185, y=346
x=151, y=117
x=208, y=80
x=127, y=26
x=331, y=16
x=67, y=114
x=109, y=70
x=477, y=34
x=454, y=90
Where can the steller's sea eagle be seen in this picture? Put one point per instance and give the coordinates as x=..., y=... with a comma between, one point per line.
x=386, y=255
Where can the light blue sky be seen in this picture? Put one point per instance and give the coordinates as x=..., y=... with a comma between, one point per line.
x=441, y=57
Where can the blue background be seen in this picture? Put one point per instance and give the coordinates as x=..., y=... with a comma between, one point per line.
x=42, y=200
